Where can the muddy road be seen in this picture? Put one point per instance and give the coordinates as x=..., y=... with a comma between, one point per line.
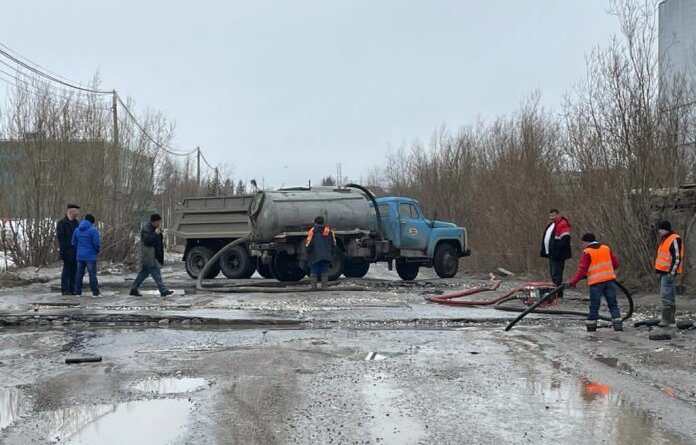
x=377, y=367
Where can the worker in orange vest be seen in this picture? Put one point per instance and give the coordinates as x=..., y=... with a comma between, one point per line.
x=598, y=264
x=320, y=244
x=669, y=263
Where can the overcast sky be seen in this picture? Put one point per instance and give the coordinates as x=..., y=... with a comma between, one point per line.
x=284, y=90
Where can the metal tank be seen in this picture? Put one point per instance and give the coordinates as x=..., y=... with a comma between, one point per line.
x=292, y=211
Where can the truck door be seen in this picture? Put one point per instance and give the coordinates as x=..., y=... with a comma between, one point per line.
x=414, y=230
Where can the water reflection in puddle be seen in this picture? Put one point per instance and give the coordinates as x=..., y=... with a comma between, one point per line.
x=591, y=409
x=171, y=385
x=10, y=404
x=389, y=424
x=150, y=422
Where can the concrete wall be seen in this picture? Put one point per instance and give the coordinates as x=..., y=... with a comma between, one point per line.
x=677, y=39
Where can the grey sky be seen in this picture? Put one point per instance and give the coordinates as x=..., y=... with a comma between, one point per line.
x=285, y=89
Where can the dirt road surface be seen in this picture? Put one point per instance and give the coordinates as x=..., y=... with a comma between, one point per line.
x=375, y=366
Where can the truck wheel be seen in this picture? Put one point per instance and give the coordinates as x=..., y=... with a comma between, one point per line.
x=407, y=271
x=356, y=268
x=446, y=261
x=197, y=258
x=237, y=263
x=337, y=263
x=264, y=269
x=287, y=268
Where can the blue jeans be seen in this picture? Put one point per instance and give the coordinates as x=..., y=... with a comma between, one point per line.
x=92, y=271
x=608, y=290
x=320, y=268
x=667, y=291
x=146, y=271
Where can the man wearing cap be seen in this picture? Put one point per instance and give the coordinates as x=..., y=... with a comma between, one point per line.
x=669, y=262
x=87, y=242
x=151, y=256
x=320, y=244
x=598, y=264
x=67, y=252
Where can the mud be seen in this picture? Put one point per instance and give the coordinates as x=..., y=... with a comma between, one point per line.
x=375, y=367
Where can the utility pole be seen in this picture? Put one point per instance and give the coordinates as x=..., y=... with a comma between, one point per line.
x=114, y=105
x=217, y=182
x=198, y=168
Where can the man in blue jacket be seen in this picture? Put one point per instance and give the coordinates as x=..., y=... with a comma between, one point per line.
x=87, y=240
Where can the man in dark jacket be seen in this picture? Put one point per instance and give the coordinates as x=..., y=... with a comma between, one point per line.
x=87, y=242
x=64, y=232
x=555, y=245
x=151, y=256
x=320, y=247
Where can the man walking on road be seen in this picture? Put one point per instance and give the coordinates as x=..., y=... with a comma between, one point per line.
x=151, y=256
x=87, y=241
x=320, y=246
x=669, y=263
x=555, y=245
x=599, y=264
x=64, y=232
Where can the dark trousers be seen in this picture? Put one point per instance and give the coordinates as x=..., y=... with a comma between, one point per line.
x=146, y=271
x=91, y=267
x=320, y=268
x=556, y=269
x=67, y=277
x=608, y=291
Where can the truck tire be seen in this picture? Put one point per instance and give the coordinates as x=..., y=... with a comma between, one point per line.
x=237, y=263
x=264, y=269
x=446, y=260
x=286, y=268
x=337, y=264
x=407, y=271
x=196, y=258
x=355, y=268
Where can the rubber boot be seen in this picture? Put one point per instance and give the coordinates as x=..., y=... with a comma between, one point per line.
x=591, y=325
x=667, y=318
x=324, y=281
x=313, y=279
x=617, y=323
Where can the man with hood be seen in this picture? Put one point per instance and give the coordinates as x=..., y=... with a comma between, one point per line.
x=64, y=232
x=87, y=241
x=320, y=245
x=669, y=262
x=555, y=245
x=151, y=256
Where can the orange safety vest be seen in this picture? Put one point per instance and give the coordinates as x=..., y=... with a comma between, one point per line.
x=327, y=230
x=601, y=266
x=663, y=261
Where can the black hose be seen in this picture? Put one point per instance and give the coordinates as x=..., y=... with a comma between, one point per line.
x=550, y=294
x=374, y=203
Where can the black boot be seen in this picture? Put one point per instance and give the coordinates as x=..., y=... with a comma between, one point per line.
x=591, y=325
x=617, y=323
x=324, y=281
x=135, y=293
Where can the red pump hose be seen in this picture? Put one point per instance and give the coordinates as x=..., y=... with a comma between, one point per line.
x=449, y=299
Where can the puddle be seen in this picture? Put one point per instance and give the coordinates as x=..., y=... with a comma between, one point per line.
x=583, y=402
x=10, y=405
x=389, y=424
x=171, y=385
x=151, y=422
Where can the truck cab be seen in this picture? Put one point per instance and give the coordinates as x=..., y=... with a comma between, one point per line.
x=418, y=241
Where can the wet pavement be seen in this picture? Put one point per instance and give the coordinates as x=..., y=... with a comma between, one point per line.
x=376, y=367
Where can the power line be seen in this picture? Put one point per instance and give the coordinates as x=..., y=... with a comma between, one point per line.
x=74, y=99
x=49, y=76
x=37, y=65
x=151, y=138
x=206, y=162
